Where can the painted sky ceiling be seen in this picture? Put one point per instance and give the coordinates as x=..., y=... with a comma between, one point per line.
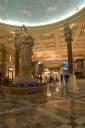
x=37, y=12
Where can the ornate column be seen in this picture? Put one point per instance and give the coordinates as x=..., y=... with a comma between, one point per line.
x=68, y=39
x=17, y=48
x=71, y=86
x=4, y=61
x=16, y=62
x=84, y=68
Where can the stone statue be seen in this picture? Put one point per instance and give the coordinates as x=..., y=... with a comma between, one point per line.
x=26, y=50
x=26, y=56
x=25, y=43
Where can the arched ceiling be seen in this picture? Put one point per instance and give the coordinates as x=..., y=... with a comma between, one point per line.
x=50, y=45
x=37, y=12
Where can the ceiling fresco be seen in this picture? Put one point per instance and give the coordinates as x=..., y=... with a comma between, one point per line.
x=38, y=12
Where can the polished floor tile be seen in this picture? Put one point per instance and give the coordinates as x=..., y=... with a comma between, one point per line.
x=56, y=110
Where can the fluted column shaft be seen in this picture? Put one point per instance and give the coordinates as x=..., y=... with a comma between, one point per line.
x=68, y=39
x=4, y=61
x=16, y=62
x=70, y=59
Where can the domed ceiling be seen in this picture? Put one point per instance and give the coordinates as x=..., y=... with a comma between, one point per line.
x=38, y=12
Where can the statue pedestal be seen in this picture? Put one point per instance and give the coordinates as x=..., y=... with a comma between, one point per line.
x=23, y=80
x=20, y=90
x=72, y=85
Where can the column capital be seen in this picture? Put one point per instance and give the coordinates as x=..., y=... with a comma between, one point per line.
x=67, y=33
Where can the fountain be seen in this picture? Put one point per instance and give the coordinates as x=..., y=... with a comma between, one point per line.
x=23, y=81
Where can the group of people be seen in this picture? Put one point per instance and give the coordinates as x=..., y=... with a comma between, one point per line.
x=43, y=79
x=47, y=79
x=53, y=78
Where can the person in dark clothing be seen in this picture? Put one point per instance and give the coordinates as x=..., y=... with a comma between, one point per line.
x=51, y=79
x=0, y=78
x=61, y=76
x=66, y=78
x=40, y=77
x=0, y=81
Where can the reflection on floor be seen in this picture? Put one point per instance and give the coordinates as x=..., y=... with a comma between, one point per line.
x=57, y=110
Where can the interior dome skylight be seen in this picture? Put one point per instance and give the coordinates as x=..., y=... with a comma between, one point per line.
x=38, y=12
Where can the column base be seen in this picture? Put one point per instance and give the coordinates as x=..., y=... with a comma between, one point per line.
x=72, y=85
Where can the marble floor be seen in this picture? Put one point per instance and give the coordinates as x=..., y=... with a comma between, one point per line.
x=55, y=110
